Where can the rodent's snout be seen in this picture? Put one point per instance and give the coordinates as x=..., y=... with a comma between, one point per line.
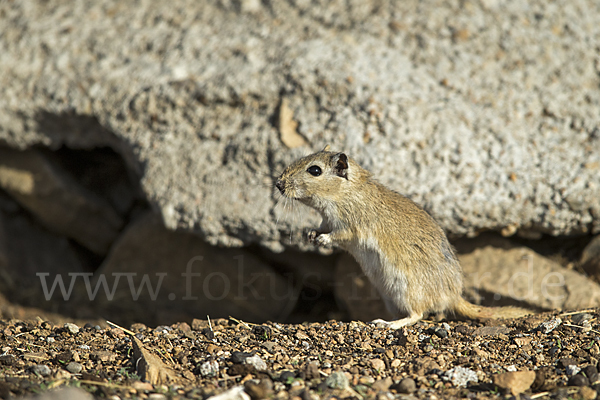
x=279, y=185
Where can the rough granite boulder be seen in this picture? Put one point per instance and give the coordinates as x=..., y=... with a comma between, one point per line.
x=484, y=112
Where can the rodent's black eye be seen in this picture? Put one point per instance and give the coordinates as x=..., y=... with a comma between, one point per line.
x=314, y=170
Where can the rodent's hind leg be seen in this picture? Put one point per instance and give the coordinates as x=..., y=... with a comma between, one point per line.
x=399, y=323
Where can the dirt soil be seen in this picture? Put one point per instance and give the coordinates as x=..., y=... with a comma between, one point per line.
x=308, y=361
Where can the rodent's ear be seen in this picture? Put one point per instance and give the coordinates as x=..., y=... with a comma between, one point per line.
x=326, y=148
x=341, y=165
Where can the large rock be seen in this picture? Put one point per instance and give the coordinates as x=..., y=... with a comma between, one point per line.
x=504, y=274
x=590, y=259
x=484, y=112
x=157, y=276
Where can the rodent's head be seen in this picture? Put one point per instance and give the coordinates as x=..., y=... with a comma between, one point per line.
x=318, y=178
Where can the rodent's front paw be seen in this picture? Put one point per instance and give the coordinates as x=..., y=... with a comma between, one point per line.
x=323, y=240
x=319, y=239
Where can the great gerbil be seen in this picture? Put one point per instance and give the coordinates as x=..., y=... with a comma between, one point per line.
x=400, y=247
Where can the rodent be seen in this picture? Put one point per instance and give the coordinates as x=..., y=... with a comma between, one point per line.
x=401, y=249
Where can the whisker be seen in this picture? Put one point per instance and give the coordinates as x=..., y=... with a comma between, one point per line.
x=278, y=205
x=295, y=216
x=267, y=182
x=293, y=222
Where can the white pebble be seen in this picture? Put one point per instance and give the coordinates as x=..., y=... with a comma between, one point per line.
x=72, y=328
x=235, y=393
x=256, y=362
x=460, y=376
x=209, y=368
x=549, y=326
x=572, y=370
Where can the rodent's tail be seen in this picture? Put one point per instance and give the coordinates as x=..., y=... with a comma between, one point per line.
x=469, y=310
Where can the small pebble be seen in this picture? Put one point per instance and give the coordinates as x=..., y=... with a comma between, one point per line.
x=565, y=361
x=50, y=339
x=310, y=371
x=41, y=370
x=587, y=393
x=260, y=390
x=286, y=376
x=572, y=369
x=406, y=385
x=208, y=333
x=378, y=364
x=209, y=368
x=337, y=380
x=62, y=374
x=462, y=329
x=8, y=359
x=139, y=385
x=549, y=326
x=157, y=396
x=162, y=329
x=579, y=319
x=262, y=332
x=578, y=380
x=423, y=337
x=74, y=367
x=585, y=327
x=238, y=357
x=74, y=329
x=382, y=385
x=441, y=333
x=592, y=374
x=256, y=362
x=460, y=376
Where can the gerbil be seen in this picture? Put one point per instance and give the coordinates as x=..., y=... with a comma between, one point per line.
x=400, y=247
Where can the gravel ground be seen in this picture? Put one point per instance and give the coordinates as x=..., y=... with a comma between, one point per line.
x=548, y=355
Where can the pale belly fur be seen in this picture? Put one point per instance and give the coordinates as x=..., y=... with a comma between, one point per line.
x=389, y=280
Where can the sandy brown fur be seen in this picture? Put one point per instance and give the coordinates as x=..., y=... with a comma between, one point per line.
x=399, y=246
